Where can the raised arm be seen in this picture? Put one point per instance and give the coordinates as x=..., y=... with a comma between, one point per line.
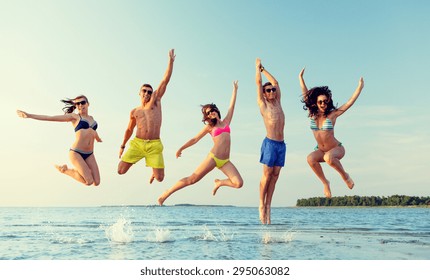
x=258, y=82
x=342, y=109
x=302, y=83
x=272, y=80
x=193, y=140
x=128, y=132
x=230, y=112
x=58, y=118
x=163, y=84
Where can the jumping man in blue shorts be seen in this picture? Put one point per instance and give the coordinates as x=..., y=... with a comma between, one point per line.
x=273, y=149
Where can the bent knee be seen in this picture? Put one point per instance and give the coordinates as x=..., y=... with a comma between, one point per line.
x=89, y=182
x=123, y=167
x=89, y=179
x=123, y=170
x=238, y=183
x=329, y=159
x=310, y=159
x=159, y=178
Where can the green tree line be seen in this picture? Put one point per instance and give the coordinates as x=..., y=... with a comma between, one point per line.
x=394, y=200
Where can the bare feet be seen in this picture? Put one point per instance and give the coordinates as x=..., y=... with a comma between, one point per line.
x=152, y=179
x=349, y=182
x=262, y=210
x=268, y=221
x=327, y=191
x=217, y=186
x=162, y=198
x=62, y=168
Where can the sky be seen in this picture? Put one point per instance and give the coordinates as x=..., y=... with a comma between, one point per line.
x=51, y=50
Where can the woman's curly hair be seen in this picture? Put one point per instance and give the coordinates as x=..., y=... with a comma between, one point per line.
x=310, y=101
x=70, y=104
x=206, y=119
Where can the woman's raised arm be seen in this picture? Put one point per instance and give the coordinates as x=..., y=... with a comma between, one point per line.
x=230, y=112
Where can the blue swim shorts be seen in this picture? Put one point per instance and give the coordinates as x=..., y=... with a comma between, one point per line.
x=273, y=152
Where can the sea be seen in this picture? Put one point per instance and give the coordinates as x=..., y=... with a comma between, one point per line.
x=193, y=232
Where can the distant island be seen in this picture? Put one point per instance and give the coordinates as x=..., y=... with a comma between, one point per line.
x=394, y=200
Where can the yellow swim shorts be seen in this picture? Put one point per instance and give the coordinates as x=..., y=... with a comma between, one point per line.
x=151, y=150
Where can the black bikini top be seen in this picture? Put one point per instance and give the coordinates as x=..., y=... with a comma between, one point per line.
x=84, y=124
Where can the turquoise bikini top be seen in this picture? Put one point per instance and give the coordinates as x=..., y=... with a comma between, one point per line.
x=327, y=125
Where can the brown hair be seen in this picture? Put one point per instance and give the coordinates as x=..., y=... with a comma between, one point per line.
x=206, y=119
x=70, y=104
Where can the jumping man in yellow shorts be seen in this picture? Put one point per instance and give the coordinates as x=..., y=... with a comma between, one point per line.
x=147, y=118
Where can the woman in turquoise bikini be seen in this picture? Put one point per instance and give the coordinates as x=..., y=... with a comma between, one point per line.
x=81, y=152
x=323, y=115
x=219, y=156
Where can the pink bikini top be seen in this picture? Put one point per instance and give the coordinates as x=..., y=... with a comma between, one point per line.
x=218, y=130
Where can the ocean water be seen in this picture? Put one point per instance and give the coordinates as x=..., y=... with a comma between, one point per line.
x=214, y=233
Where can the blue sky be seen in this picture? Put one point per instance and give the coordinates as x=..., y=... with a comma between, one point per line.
x=107, y=49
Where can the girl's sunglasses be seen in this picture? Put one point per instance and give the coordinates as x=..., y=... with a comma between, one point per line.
x=210, y=111
x=83, y=102
x=320, y=102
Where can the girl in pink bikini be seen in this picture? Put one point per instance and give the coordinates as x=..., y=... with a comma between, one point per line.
x=323, y=115
x=219, y=156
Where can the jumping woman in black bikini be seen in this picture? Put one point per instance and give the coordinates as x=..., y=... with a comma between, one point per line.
x=81, y=153
x=323, y=115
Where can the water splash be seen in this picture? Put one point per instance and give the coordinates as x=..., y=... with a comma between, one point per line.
x=160, y=235
x=207, y=235
x=268, y=238
x=120, y=232
x=222, y=235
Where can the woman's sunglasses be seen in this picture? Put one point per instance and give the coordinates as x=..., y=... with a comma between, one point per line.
x=210, y=111
x=320, y=102
x=83, y=102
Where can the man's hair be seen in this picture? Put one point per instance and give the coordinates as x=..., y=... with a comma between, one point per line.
x=267, y=84
x=146, y=85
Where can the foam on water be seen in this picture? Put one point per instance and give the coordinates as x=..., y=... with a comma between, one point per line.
x=69, y=240
x=120, y=232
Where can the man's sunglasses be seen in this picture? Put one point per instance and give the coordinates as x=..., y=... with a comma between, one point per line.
x=270, y=90
x=147, y=91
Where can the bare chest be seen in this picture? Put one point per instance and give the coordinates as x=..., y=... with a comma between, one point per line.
x=274, y=113
x=147, y=115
